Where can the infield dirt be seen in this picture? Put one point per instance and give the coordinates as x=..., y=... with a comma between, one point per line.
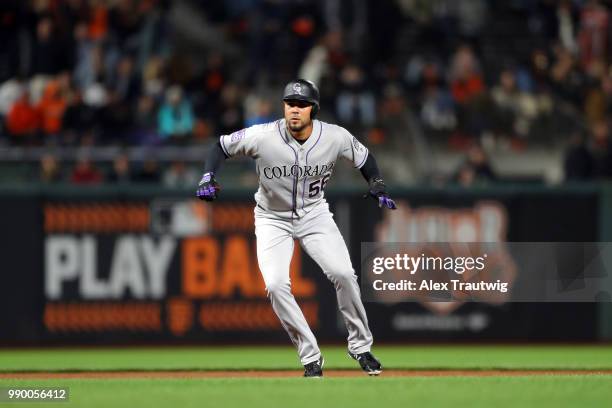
x=291, y=373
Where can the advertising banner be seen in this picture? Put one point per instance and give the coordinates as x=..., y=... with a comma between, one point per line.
x=510, y=224
x=134, y=267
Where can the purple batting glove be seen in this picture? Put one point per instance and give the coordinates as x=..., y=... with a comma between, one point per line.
x=384, y=200
x=208, y=188
x=378, y=191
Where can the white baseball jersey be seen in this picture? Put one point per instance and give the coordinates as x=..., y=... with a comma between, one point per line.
x=292, y=176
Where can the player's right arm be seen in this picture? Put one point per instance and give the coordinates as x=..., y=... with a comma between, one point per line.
x=208, y=188
x=240, y=143
x=353, y=151
x=377, y=187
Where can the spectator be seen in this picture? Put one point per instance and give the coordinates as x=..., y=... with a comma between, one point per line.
x=149, y=172
x=98, y=72
x=394, y=118
x=97, y=28
x=87, y=56
x=540, y=70
x=179, y=175
x=10, y=92
x=468, y=88
x=421, y=74
x=391, y=139
x=120, y=172
x=51, y=109
x=476, y=168
x=125, y=84
x=85, y=172
x=315, y=63
x=144, y=130
x=214, y=77
x=348, y=17
x=153, y=81
x=438, y=109
x=566, y=25
x=117, y=120
x=49, y=55
x=471, y=16
x=49, y=171
x=202, y=131
x=125, y=21
x=466, y=80
x=96, y=96
x=79, y=118
x=22, y=121
x=175, y=117
x=593, y=37
x=568, y=80
x=231, y=113
x=355, y=104
x=262, y=113
x=515, y=109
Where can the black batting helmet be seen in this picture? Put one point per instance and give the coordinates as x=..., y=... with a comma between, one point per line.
x=303, y=90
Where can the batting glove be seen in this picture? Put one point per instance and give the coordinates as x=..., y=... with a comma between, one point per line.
x=378, y=191
x=208, y=188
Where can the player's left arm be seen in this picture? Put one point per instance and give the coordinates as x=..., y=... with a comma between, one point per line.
x=377, y=188
x=363, y=160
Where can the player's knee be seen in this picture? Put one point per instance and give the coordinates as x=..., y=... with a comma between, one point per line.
x=276, y=287
x=342, y=275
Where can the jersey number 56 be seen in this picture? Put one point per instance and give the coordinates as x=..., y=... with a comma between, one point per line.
x=317, y=186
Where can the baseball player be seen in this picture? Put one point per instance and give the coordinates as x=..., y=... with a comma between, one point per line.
x=295, y=157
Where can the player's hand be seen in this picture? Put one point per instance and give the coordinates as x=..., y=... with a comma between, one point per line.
x=378, y=191
x=208, y=188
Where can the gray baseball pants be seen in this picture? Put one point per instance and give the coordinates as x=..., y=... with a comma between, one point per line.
x=320, y=238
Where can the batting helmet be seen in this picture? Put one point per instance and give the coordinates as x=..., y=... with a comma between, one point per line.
x=303, y=90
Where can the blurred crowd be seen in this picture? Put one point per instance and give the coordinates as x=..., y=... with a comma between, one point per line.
x=407, y=76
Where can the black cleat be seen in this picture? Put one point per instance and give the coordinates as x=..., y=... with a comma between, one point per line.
x=314, y=369
x=368, y=362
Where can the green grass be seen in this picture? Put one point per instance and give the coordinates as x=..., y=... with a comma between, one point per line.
x=270, y=358
x=498, y=392
x=382, y=392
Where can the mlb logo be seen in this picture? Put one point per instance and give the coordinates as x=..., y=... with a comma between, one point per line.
x=236, y=136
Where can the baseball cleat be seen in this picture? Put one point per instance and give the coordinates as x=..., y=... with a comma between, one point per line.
x=368, y=362
x=314, y=369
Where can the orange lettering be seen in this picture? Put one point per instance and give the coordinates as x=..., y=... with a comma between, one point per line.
x=199, y=259
x=235, y=272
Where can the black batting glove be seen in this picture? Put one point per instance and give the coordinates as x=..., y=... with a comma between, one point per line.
x=378, y=191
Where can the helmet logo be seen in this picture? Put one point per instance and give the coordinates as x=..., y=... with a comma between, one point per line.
x=297, y=88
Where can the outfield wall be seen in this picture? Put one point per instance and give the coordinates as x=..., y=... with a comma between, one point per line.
x=108, y=265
